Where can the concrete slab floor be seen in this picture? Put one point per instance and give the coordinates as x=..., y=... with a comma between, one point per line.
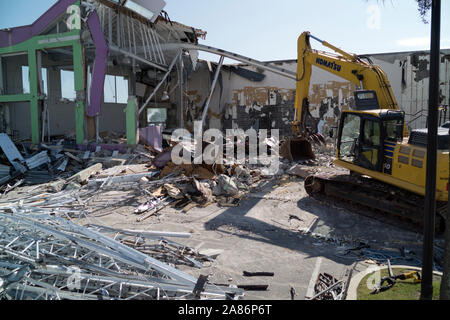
x=262, y=234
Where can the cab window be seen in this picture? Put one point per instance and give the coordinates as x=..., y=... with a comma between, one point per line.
x=393, y=130
x=350, y=134
x=369, y=150
x=371, y=133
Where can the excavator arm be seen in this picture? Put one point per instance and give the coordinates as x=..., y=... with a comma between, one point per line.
x=353, y=68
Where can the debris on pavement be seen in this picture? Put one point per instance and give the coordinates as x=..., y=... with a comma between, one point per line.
x=254, y=287
x=50, y=193
x=328, y=288
x=293, y=293
x=300, y=171
x=258, y=274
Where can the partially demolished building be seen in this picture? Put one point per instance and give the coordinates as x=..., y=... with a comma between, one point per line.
x=53, y=71
x=88, y=69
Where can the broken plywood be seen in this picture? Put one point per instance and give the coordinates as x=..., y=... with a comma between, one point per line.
x=83, y=176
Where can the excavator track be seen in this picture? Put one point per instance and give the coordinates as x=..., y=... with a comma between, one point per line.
x=375, y=198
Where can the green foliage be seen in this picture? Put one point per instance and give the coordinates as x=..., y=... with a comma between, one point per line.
x=424, y=7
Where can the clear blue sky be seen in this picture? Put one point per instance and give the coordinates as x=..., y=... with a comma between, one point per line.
x=268, y=29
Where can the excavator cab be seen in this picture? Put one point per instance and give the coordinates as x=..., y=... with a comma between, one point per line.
x=368, y=138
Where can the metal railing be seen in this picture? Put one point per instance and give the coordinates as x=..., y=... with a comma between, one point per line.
x=414, y=118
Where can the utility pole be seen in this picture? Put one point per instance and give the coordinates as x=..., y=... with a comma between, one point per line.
x=430, y=196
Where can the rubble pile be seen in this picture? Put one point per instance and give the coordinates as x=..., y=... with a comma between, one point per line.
x=50, y=191
x=23, y=164
x=62, y=166
x=51, y=249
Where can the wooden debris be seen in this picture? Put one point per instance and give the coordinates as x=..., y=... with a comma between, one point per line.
x=71, y=156
x=83, y=176
x=159, y=192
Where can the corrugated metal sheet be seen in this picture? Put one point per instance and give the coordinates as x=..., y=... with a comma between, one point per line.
x=9, y=148
x=37, y=160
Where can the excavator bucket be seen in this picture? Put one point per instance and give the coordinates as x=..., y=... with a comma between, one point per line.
x=297, y=149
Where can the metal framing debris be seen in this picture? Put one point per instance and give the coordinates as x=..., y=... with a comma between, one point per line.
x=67, y=261
x=172, y=64
x=328, y=288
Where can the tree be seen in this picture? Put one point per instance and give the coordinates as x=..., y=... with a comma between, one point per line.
x=424, y=7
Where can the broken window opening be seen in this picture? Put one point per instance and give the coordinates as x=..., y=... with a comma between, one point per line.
x=26, y=80
x=45, y=80
x=12, y=73
x=68, y=85
x=156, y=117
x=115, y=89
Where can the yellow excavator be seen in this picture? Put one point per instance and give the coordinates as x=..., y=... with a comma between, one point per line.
x=387, y=166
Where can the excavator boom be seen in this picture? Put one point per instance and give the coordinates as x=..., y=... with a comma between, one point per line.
x=350, y=67
x=358, y=70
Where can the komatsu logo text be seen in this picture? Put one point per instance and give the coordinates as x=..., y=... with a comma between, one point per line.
x=328, y=64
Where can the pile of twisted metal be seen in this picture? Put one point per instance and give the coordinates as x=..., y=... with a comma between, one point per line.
x=46, y=255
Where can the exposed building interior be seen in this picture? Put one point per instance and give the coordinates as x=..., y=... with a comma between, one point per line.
x=84, y=68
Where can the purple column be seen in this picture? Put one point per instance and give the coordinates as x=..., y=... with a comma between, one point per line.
x=101, y=55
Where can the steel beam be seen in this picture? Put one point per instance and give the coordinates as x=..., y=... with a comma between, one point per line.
x=80, y=89
x=34, y=103
x=174, y=61
x=180, y=117
x=263, y=65
x=15, y=98
x=211, y=91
